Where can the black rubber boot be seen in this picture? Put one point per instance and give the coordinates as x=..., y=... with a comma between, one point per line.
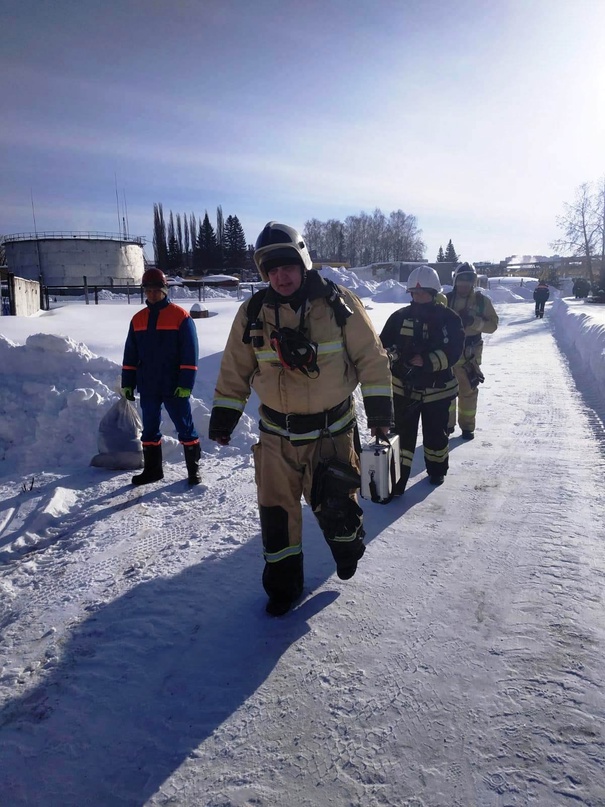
x=192, y=460
x=347, y=567
x=152, y=470
x=283, y=581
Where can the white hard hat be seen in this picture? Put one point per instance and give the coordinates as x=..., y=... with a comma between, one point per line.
x=424, y=277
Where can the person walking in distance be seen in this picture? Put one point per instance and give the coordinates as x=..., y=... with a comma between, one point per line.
x=160, y=361
x=541, y=295
x=424, y=340
x=303, y=344
x=478, y=317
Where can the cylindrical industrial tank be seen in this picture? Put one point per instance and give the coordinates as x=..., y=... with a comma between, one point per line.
x=64, y=259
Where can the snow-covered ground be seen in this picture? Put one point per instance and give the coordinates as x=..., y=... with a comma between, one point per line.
x=463, y=665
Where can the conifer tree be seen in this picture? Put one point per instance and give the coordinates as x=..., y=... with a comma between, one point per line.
x=160, y=247
x=440, y=255
x=207, y=247
x=450, y=253
x=179, y=235
x=234, y=243
x=174, y=258
x=220, y=235
x=195, y=258
x=186, y=244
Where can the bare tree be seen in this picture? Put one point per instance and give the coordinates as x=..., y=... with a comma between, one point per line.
x=333, y=238
x=580, y=225
x=405, y=238
x=365, y=238
x=600, y=207
x=314, y=236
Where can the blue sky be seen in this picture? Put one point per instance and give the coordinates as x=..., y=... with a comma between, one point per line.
x=481, y=118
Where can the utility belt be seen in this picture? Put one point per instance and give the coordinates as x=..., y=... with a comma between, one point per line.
x=299, y=428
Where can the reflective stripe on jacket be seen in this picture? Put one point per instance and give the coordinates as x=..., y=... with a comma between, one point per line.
x=436, y=334
x=346, y=356
x=485, y=320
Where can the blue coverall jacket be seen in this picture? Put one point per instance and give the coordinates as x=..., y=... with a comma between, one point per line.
x=161, y=350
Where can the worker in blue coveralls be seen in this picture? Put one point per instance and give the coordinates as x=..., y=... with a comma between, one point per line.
x=160, y=361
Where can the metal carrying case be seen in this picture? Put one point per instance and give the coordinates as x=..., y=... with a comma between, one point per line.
x=380, y=469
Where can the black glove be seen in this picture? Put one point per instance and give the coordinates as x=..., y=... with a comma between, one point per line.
x=467, y=319
x=222, y=438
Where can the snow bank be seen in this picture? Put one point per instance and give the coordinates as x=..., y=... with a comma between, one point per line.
x=52, y=390
x=580, y=330
x=348, y=278
x=55, y=391
x=391, y=291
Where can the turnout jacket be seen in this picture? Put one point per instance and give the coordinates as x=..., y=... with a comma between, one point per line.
x=478, y=309
x=346, y=356
x=436, y=334
x=161, y=350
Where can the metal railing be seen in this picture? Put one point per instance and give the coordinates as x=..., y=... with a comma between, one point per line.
x=64, y=235
x=133, y=291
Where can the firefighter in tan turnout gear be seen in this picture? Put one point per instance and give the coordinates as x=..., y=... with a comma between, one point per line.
x=424, y=340
x=303, y=345
x=478, y=317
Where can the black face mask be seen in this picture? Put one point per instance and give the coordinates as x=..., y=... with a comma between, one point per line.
x=419, y=308
x=295, y=351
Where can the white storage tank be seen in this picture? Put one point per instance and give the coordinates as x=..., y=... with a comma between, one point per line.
x=65, y=258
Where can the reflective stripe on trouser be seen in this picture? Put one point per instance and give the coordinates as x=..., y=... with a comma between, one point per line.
x=467, y=403
x=434, y=435
x=284, y=474
x=179, y=410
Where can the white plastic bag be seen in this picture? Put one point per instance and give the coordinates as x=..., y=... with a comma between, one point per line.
x=119, y=443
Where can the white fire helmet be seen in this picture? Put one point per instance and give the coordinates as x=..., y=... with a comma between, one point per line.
x=424, y=277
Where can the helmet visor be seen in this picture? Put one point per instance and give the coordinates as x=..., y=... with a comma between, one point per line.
x=279, y=256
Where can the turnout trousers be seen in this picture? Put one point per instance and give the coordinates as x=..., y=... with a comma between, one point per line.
x=467, y=396
x=284, y=474
x=434, y=415
x=179, y=410
x=467, y=403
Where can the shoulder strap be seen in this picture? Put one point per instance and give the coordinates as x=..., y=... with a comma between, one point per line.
x=332, y=294
x=254, y=306
x=335, y=299
x=480, y=302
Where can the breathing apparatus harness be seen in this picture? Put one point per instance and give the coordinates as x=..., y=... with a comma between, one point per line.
x=294, y=349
